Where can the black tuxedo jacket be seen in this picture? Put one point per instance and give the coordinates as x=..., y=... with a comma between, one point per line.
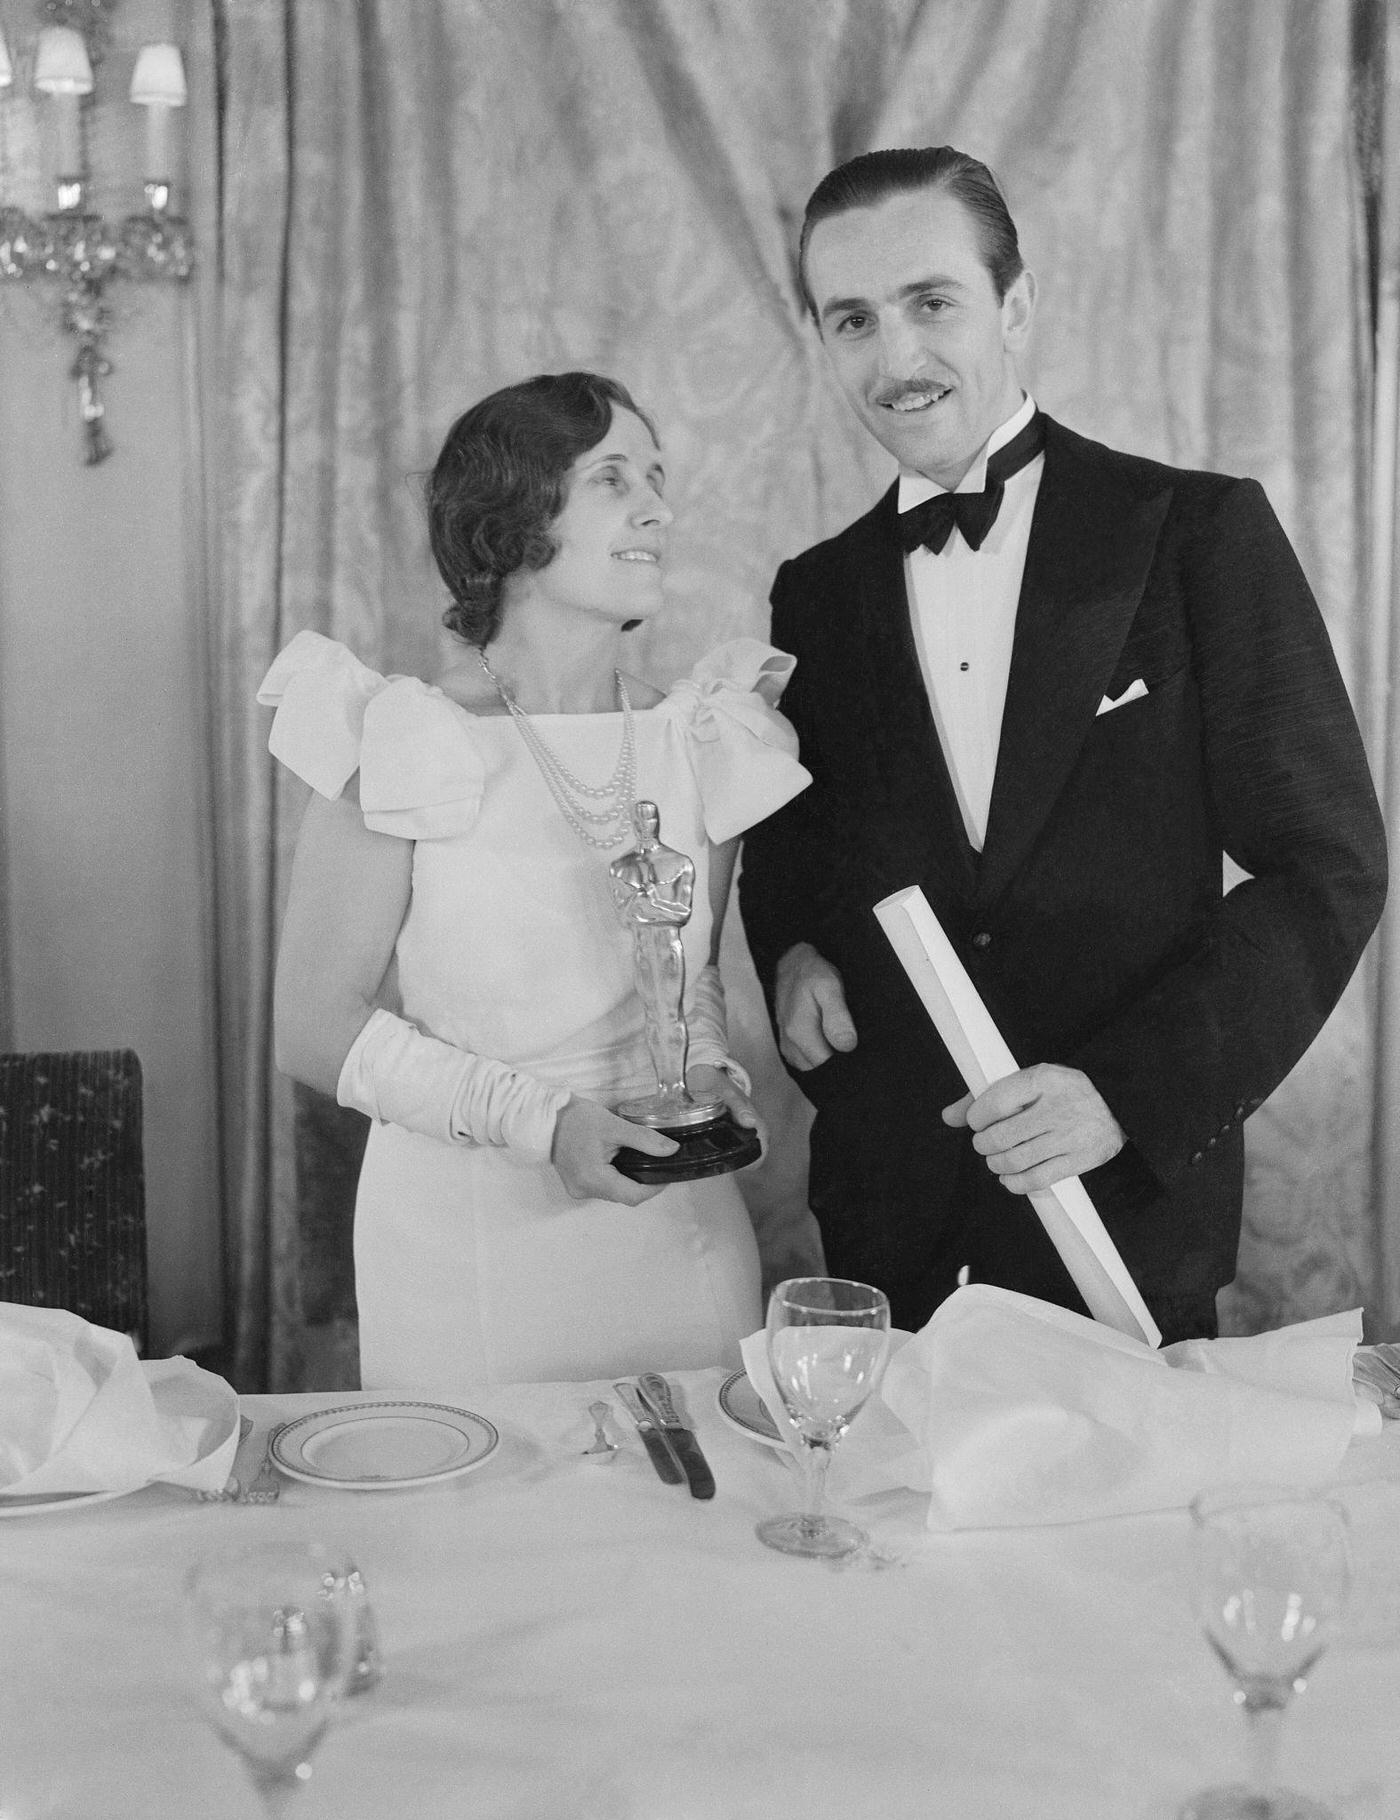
x=1094, y=921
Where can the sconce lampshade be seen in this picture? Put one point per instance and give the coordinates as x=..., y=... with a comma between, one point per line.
x=7, y=72
x=159, y=77
x=61, y=64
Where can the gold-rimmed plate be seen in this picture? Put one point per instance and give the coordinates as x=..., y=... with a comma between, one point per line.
x=383, y=1446
x=743, y=1408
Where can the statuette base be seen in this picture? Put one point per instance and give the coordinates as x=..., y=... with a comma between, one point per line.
x=717, y=1146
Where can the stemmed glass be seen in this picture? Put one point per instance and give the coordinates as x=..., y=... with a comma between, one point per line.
x=828, y=1340
x=272, y=1631
x=1271, y=1576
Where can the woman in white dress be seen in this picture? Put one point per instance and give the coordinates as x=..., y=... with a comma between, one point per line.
x=452, y=961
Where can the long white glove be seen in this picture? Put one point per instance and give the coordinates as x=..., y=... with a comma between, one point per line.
x=401, y=1077
x=709, y=1028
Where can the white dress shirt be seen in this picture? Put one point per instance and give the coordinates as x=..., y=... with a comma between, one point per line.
x=962, y=605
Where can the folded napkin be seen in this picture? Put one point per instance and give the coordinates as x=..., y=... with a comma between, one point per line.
x=1008, y=1411
x=80, y=1412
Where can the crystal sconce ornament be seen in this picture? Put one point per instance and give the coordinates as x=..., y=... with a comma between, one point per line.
x=78, y=247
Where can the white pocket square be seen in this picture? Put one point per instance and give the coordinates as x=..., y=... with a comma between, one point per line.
x=1134, y=692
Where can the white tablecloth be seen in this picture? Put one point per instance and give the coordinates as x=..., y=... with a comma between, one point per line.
x=568, y=1641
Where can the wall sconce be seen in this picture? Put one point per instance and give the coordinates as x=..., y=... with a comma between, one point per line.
x=81, y=249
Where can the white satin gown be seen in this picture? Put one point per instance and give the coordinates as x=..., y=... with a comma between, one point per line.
x=472, y=1263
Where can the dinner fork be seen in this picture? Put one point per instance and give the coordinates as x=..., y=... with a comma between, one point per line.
x=267, y=1487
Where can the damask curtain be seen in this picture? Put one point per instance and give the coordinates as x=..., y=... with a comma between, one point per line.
x=421, y=203
x=1379, y=111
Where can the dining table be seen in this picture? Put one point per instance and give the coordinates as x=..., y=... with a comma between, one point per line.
x=564, y=1636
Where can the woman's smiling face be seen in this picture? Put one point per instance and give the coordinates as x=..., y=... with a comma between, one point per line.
x=611, y=532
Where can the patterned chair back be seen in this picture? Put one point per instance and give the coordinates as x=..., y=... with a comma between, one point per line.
x=72, y=1186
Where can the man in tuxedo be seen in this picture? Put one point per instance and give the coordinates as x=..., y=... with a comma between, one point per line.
x=1055, y=704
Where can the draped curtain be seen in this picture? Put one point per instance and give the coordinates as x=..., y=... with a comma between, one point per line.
x=1379, y=108
x=418, y=204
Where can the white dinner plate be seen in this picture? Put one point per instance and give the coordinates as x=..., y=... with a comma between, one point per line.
x=742, y=1407
x=59, y=1500
x=383, y=1446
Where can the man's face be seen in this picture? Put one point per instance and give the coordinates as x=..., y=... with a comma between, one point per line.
x=920, y=344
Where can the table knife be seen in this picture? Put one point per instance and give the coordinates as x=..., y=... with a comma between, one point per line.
x=657, y=1393
x=663, y=1458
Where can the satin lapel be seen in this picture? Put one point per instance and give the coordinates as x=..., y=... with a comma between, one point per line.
x=1091, y=546
x=913, y=772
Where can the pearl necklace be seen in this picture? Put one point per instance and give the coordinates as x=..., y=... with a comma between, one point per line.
x=615, y=798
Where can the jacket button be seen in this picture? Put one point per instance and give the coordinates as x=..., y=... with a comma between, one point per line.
x=981, y=939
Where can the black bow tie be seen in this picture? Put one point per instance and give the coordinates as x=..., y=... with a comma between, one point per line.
x=930, y=524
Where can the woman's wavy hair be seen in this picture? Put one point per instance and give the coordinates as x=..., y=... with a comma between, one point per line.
x=500, y=482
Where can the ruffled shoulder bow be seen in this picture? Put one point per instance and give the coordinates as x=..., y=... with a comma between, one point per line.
x=742, y=750
x=421, y=773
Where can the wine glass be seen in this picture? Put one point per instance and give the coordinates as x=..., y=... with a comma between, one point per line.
x=1271, y=1576
x=828, y=1340
x=272, y=1632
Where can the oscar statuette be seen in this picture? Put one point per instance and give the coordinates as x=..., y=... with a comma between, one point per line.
x=653, y=887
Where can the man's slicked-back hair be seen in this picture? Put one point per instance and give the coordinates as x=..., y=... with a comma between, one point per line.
x=874, y=177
